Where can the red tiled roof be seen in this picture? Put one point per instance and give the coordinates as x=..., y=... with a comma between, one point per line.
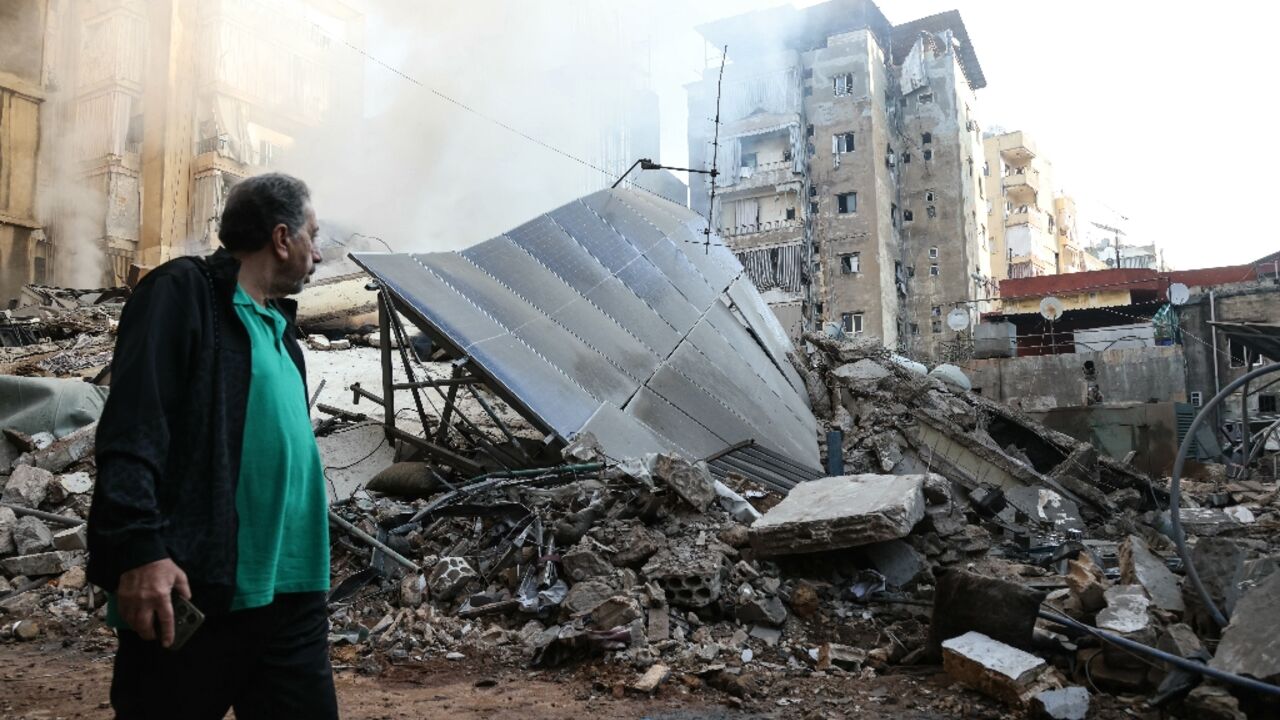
x=1122, y=279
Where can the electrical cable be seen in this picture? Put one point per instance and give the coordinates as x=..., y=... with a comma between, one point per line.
x=1179, y=535
x=1179, y=662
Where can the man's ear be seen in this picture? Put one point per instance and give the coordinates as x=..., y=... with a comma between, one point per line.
x=280, y=239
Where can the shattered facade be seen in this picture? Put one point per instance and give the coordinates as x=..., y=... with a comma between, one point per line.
x=849, y=165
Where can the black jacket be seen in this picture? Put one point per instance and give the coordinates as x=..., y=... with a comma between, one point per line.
x=170, y=436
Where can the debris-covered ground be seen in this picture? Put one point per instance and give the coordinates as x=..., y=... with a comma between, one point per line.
x=919, y=581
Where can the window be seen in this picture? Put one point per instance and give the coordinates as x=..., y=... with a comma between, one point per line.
x=808, y=90
x=813, y=208
x=850, y=263
x=748, y=160
x=911, y=271
x=808, y=131
x=1266, y=403
x=1237, y=353
x=929, y=196
x=926, y=98
x=906, y=158
x=1257, y=360
x=915, y=329
x=842, y=143
x=936, y=325
x=931, y=211
x=893, y=215
x=791, y=213
x=842, y=84
x=847, y=203
x=935, y=311
x=933, y=252
x=933, y=270
x=986, y=169
x=808, y=73
x=852, y=322
x=907, y=216
x=926, y=138
x=813, y=191
x=1196, y=398
x=928, y=154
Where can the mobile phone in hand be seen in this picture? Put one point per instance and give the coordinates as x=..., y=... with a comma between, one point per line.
x=186, y=619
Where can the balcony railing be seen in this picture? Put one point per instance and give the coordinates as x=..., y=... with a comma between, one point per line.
x=1026, y=215
x=1021, y=179
x=770, y=226
x=763, y=174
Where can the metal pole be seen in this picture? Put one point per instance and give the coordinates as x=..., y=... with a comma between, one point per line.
x=388, y=389
x=400, y=559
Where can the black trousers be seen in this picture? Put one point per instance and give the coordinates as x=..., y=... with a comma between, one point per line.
x=268, y=662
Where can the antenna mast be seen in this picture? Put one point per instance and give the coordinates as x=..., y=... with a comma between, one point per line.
x=715, y=155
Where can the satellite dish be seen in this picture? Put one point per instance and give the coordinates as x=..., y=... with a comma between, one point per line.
x=1051, y=308
x=958, y=319
x=1179, y=294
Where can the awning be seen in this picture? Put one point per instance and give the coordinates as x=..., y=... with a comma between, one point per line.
x=612, y=316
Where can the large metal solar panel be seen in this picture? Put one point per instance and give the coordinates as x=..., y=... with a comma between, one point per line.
x=614, y=315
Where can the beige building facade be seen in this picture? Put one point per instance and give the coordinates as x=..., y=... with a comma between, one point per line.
x=849, y=168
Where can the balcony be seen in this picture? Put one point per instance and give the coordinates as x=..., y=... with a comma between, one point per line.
x=1016, y=148
x=1027, y=215
x=762, y=175
x=1022, y=182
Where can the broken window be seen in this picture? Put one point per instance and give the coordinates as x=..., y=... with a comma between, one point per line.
x=842, y=84
x=808, y=131
x=907, y=216
x=791, y=213
x=850, y=263
x=906, y=158
x=933, y=252
x=933, y=270
x=847, y=203
x=915, y=329
x=813, y=191
x=928, y=154
x=1266, y=403
x=748, y=160
x=936, y=311
x=813, y=208
x=911, y=271
x=931, y=211
x=842, y=143
x=926, y=98
x=936, y=325
x=926, y=138
x=852, y=322
x=929, y=196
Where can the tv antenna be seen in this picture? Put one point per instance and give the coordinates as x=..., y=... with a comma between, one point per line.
x=715, y=154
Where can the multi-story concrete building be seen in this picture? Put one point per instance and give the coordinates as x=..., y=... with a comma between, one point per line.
x=850, y=167
x=151, y=110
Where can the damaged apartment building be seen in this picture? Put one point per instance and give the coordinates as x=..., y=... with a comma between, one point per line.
x=850, y=168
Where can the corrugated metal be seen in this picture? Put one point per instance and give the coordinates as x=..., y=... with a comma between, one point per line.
x=762, y=465
x=609, y=315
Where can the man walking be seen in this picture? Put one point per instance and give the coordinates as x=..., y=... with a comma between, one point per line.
x=210, y=484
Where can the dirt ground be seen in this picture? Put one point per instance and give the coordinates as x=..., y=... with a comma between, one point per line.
x=49, y=680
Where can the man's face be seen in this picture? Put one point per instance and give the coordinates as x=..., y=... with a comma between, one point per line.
x=304, y=255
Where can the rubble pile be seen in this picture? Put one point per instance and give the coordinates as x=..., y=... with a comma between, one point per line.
x=955, y=533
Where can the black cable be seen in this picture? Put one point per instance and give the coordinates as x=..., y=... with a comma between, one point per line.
x=1175, y=482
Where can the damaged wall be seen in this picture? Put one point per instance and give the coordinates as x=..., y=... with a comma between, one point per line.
x=1044, y=382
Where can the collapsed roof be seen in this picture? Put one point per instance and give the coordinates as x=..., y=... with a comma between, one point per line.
x=613, y=316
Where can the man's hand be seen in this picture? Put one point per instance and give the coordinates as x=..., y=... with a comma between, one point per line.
x=143, y=597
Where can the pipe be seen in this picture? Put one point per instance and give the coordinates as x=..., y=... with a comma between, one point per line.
x=1175, y=484
x=1178, y=662
x=400, y=559
x=51, y=517
x=1213, y=336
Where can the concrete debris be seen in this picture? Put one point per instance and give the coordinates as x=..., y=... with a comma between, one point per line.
x=449, y=577
x=27, y=486
x=1000, y=609
x=32, y=536
x=690, y=481
x=1070, y=703
x=39, y=564
x=8, y=520
x=841, y=512
x=1251, y=644
x=993, y=668
x=1126, y=611
x=1138, y=565
x=651, y=679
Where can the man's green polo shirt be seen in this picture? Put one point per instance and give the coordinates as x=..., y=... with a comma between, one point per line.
x=283, y=540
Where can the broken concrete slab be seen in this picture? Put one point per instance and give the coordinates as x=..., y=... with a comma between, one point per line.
x=862, y=371
x=651, y=679
x=1140, y=566
x=992, y=667
x=28, y=486
x=1250, y=643
x=585, y=597
x=1087, y=582
x=617, y=611
x=755, y=607
x=840, y=512
x=1070, y=703
x=952, y=376
x=32, y=536
x=637, y=547
x=1221, y=565
x=67, y=450
x=585, y=560
x=46, y=563
x=1126, y=611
